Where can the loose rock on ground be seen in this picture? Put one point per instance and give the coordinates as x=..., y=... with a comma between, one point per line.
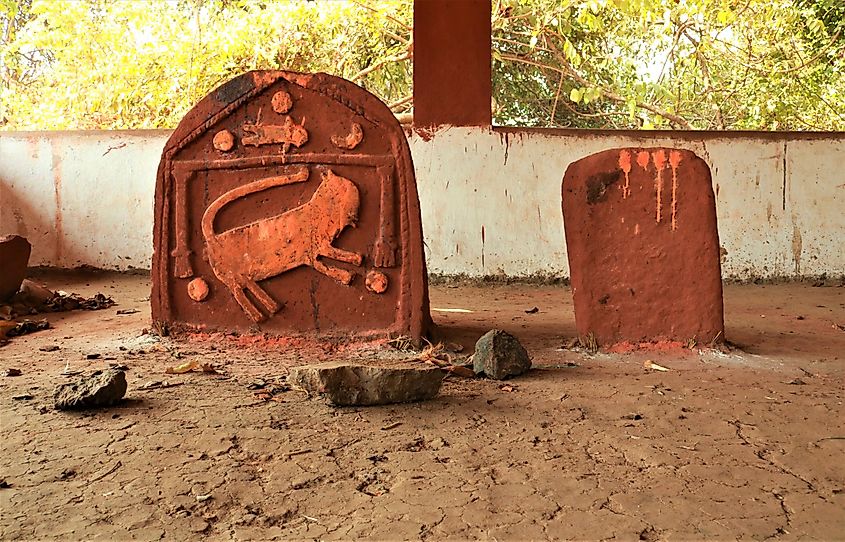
x=499, y=354
x=348, y=385
x=101, y=389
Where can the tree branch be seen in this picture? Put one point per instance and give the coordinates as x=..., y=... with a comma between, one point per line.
x=402, y=101
x=373, y=67
x=374, y=10
x=557, y=99
x=708, y=82
x=569, y=71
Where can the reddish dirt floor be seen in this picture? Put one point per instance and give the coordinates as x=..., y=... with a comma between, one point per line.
x=743, y=444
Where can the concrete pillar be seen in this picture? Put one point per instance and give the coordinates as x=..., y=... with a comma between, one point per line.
x=452, y=62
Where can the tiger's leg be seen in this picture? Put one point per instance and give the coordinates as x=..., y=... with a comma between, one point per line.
x=248, y=306
x=341, y=275
x=341, y=255
x=262, y=296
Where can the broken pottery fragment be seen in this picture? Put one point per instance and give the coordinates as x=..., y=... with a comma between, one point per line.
x=286, y=202
x=14, y=258
x=103, y=388
x=360, y=385
x=643, y=246
x=499, y=354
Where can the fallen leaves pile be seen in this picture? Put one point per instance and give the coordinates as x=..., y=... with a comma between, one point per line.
x=270, y=391
x=15, y=329
x=437, y=354
x=33, y=298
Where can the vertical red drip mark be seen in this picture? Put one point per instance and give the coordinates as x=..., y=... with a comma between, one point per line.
x=625, y=165
x=674, y=161
x=659, y=163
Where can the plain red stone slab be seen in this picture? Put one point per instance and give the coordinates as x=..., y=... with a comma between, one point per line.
x=286, y=203
x=643, y=246
x=14, y=258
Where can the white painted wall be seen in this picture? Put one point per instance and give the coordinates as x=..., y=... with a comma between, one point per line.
x=509, y=184
x=86, y=198
x=81, y=198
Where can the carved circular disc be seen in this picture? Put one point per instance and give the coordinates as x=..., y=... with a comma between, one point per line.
x=223, y=140
x=282, y=102
x=376, y=282
x=198, y=290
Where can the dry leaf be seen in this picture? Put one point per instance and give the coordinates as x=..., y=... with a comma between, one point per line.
x=156, y=384
x=648, y=364
x=184, y=368
x=458, y=370
x=435, y=354
x=507, y=388
x=191, y=366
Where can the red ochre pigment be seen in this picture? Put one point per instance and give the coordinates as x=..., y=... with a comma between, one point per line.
x=277, y=196
x=643, y=246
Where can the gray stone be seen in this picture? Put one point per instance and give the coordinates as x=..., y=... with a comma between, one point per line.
x=103, y=388
x=362, y=385
x=499, y=355
x=14, y=255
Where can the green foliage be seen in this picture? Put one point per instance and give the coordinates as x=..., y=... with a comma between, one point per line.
x=132, y=64
x=694, y=64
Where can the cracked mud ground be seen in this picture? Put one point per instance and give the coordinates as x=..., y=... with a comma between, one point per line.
x=744, y=445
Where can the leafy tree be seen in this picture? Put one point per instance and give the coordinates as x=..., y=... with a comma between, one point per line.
x=691, y=64
x=695, y=64
x=129, y=64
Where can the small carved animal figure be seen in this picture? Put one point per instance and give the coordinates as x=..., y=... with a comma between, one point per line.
x=289, y=133
x=351, y=140
x=242, y=256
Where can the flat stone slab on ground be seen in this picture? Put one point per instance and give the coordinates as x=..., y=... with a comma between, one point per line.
x=14, y=253
x=362, y=385
x=499, y=354
x=101, y=389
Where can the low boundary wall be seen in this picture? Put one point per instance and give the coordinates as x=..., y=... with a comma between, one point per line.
x=490, y=198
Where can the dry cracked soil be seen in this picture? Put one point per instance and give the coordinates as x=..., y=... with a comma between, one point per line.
x=743, y=444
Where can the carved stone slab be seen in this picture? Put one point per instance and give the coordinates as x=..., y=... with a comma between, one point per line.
x=643, y=246
x=286, y=202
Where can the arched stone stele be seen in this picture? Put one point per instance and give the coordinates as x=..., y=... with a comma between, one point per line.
x=276, y=196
